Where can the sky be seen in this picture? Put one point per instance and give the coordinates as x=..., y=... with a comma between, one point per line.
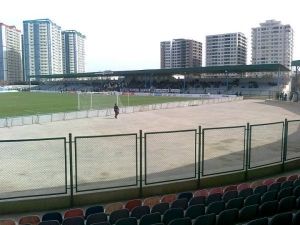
x=126, y=34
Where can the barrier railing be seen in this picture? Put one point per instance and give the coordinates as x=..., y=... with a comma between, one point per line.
x=40, y=167
x=53, y=117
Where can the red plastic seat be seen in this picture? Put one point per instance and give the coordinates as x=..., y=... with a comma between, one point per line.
x=280, y=179
x=202, y=192
x=109, y=208
x=293, y=177
x=230, y=188
x=268, y=181
x=216, y=190
x=33, y=220
x=132, y=204
x=255, y=184
x=151, y=201
x=168, y=198
x=78, y=212
x=243, y=186
x=7, y=222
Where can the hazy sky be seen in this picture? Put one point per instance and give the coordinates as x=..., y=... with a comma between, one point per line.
x=126, y=34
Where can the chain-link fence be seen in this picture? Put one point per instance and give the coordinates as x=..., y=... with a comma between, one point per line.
x=265, y=144
x=170, y=156
x=293, y=137
x=223, y=149
x=107, y=161
x=33, y=167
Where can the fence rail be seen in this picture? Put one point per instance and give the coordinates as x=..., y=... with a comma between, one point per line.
x=53, y=117
x=48, y=166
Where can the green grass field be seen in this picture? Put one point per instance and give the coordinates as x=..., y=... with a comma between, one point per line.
x=29, y=103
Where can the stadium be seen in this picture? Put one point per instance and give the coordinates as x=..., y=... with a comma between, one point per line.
x=203, y=137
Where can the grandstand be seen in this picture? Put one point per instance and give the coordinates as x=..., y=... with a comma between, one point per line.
x=223, y=163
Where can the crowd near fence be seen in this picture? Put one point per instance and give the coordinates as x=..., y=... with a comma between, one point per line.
x=72, y=165
x=52, y=117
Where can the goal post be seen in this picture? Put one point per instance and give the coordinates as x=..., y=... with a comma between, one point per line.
x=99, y=100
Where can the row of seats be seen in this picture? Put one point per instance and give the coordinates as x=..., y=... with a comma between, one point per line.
x=247, y=192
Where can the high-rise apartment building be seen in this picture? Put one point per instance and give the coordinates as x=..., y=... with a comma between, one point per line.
x=42, y=48
x=10, y=54
x=73, y=51
x=180, y=53
x=272, y=42
x=226, y=49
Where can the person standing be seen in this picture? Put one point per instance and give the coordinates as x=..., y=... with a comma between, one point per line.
x=116, y=109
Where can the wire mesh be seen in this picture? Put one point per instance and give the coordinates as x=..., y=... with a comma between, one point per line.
x=266, y=144
x=293, y=137
x=105, y=161
x=170, y=156
x=32, y=167
x=223, y=150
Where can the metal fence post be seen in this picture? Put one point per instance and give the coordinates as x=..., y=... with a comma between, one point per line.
x=71, y=171
x=141, y=165
x=199, y=156
x=247, y=151
x=285, y=140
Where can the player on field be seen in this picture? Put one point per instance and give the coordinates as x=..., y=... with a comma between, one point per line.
x=116, y=109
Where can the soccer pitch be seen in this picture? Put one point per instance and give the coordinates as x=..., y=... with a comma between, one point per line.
x=31, y=103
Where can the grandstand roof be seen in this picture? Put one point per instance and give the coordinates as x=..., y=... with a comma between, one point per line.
x=296, y=63
x=190, y=70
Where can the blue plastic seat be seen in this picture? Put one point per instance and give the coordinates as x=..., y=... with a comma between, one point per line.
x=282, y=219
x=228, y=217
x=118, y=214
x=268, y=208
x=248, y=212
x=287, y=204
x=186, y=195
x=127, y=221
x=96, y=218
x=93, y=209
x=172, y=214
x=52, y=216
x=260, y=221
x=235, y=203
x=215, y=207
x=252, y=199
x=208, y=219
x=180, y=203
x=160, y=207
x=150, y=219
x=140, y=211
x=181, y=221
x=194, y=211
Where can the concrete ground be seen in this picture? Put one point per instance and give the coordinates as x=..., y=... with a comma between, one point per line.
x=103, y=161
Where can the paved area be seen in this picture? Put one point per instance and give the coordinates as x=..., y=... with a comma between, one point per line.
x=28, y=165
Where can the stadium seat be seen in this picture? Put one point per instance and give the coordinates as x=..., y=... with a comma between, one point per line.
x=286, y=204
x=49, y=222
x=168, y=198
x=282, y=218
x=213, y=198
x=197, y=200
x=187, y=195
x=7, y=222
x=215, y=190
x=296, y=182
x=215, y=207
x=109, y=208
x=73, y=221
x=246, y=192
x=269, y=196
x=281, y=179
x=32, y=219
x=268, y=208
x=228, y=217
x=194, y=211
x=255, y=184
x=93, y=209
x=230, y=188
x=102, y=223
x=292, y=177
x=118, y=214
x=150, y=219
x=248, y=213
x=160, y=207
x=78, y=212
x=285, y=192
x=140, y=211
x=252, y=199
x=151, y=201
x=286, y=184
x=268, y=181
x=296, y=218
x=296, y=191
x=181, y=221
x=52, y=216
x=229, y=195
x=243, y=186
x=260, y=221
x=96, y=218
x=202, y=192
x=235, y=203
x=132, y=204
x=180, y=203
x=127, y=221
x=172, y=214
x=208, y=219
x=274, y=186
x=260, y=189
